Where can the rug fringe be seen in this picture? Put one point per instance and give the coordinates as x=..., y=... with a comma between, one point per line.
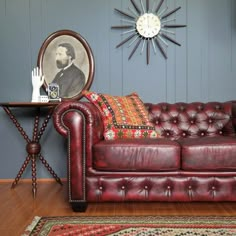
x=31, y=226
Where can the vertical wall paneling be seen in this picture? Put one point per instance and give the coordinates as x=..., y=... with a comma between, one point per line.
x=181, y=58
x=115, y=54
x=3, y=30
x=99, y=40
x=219, y=49
x=171, y=51
x=202, y=69
x=36, y=29
x=2, y=12
x=197, y=44
x=15, y=48
x=233, y=32
x=15, y=80
x=233, y=47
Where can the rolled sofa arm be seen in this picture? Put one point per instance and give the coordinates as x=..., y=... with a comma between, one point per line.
x=65, y=113
x=81, y=123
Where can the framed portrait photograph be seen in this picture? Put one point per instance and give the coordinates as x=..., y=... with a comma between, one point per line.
x=66, y=60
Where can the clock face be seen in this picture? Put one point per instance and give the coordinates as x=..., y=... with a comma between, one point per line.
x=148, y=25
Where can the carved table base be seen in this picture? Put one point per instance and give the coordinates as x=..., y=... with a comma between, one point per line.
x=33, y=146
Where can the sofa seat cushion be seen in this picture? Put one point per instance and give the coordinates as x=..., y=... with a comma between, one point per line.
x=136, y=155
x=209, y=154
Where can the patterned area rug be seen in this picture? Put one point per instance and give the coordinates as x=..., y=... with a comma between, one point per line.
x=133, y=225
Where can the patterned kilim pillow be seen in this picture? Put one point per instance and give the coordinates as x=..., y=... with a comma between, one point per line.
x=123, y=116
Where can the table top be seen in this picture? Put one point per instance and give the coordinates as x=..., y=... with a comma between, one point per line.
x=29, y=104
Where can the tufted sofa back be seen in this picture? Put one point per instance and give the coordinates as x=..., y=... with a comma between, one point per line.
x=234, y=113
x=184, y=120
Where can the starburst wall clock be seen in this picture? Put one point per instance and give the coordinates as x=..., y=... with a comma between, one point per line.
x=148, y=25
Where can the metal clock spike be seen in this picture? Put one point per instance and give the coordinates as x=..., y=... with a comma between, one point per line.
x=133, y=12
x=124, y=13
x=147, y=5
x=161, y=48
x=126, y=40
x=154, y=47
x=159, y=6
x=128, y=31
x=160, y=37
x=170, y=13
x=166, y=21
x=162, y=12
x=133, y=41
x=148, y=52
x=144, y=41
x=170, y=39
x=142, y=6
x=174, y=26
x=135, y=48
x=136, y=7
x=167, y=31
x=129, y=21
x=122, y=27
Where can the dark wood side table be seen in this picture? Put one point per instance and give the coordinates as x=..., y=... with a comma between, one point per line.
x=33, y=146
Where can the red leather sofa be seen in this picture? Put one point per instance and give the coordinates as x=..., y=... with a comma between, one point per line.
x=194, y=160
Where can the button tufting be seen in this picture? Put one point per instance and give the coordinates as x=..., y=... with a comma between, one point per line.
x=164, y=108
x=175, y=121
x=200, y=107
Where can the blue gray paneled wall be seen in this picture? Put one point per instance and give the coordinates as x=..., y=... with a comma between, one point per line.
x=202, y=69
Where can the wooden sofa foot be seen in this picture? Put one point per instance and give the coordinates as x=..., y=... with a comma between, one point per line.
x=79, y=206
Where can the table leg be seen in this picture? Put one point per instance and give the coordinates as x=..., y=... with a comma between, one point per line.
x=34, y=178
x=41, y=158
x=33, y=148
x=21, y=171
x=36, y=137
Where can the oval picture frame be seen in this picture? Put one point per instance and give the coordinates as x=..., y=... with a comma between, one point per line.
x=83, y=62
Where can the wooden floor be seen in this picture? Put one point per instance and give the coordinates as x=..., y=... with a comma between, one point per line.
x=18, y=207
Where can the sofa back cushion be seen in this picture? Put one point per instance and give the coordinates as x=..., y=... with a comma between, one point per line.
x=184, y=120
